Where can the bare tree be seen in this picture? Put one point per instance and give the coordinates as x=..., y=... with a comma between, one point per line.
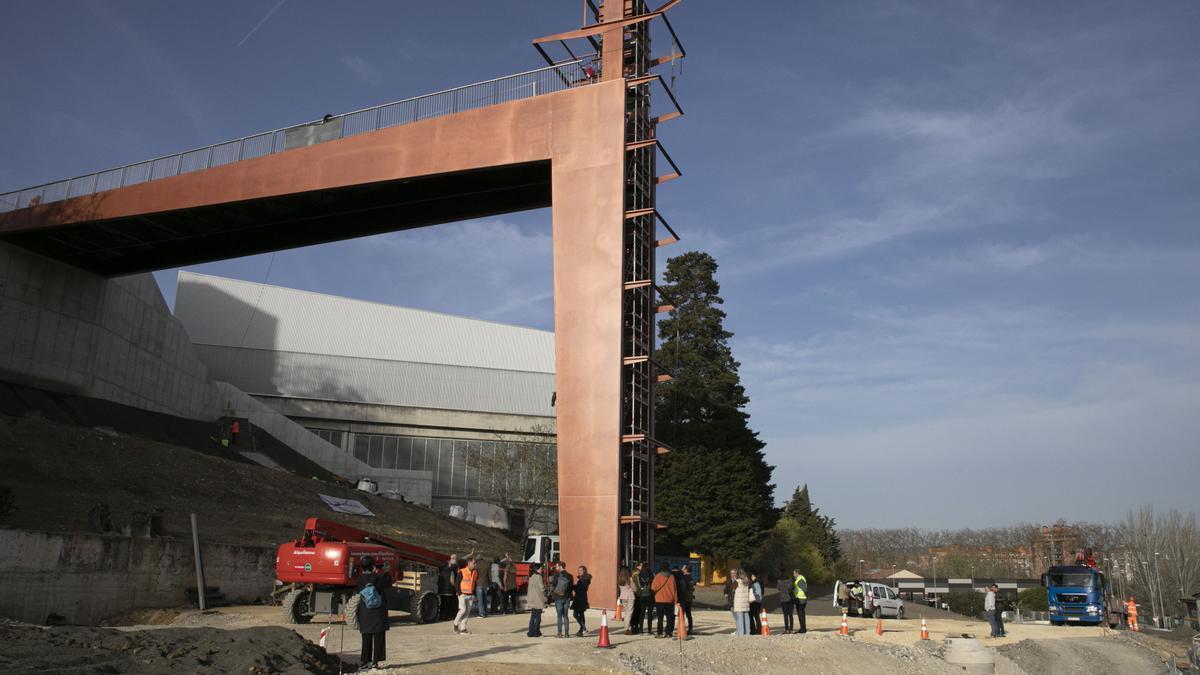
x=1162, y=557
x=520, y=474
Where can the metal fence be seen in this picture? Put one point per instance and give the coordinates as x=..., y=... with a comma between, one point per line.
x=478, y=95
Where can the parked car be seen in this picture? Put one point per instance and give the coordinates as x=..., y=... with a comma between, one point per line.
x=870, y=598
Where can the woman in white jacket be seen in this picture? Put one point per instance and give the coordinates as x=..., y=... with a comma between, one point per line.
x=741, y=603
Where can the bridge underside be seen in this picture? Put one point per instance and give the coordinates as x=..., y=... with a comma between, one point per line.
x=173, y=238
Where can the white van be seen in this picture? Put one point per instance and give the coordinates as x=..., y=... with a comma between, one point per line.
x=869, y=598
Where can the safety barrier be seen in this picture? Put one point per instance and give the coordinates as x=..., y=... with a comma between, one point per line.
x=332, y=127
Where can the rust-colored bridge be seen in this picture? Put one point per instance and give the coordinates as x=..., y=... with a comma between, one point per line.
x=578, y=136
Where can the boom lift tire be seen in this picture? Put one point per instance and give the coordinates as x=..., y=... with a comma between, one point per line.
x=426, y=607
x=351, y=610
x=295, y=607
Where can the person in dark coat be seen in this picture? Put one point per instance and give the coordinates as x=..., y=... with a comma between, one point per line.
x=644, y=621
x=373, y=623
x=579, y=599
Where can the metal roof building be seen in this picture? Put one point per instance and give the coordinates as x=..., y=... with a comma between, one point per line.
x=401, y=389
x=278, y=341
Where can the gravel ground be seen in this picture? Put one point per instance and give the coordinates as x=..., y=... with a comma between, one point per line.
x=252, y=651
x=497, y=645
x=1086, y=656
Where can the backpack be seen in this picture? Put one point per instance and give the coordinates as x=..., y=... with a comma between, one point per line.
x=562, y=586
x=370, y=597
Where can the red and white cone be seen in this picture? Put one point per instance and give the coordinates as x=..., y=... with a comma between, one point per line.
x=879, y=626
x=324, y=634
x=617, y=614
x=766, y=630
x=604, y=643
x=845, y=629
x=924, y=629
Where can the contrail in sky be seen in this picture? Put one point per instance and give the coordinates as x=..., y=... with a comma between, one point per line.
x=264, y=20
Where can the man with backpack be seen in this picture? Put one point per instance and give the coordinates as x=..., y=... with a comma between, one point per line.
x=560, y=591
x=372, y=614
x=666, y=594
x=643, y=607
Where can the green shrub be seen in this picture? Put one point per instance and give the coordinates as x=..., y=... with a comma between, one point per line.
x=967, y=603
x=1033, y=599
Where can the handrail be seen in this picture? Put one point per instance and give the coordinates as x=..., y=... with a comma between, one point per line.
x=445, y=102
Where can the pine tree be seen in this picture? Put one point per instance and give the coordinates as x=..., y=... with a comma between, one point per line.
x=715, y=489
x=817, y=528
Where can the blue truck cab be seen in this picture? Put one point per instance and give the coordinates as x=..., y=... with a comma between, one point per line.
x=1076, y=594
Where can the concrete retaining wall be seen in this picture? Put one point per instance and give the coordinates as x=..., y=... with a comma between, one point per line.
x=68, y=330
x=416, y=486
x=84, y=578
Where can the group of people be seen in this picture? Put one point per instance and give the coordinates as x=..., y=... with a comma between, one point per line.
x=744, y=592
x=645, y=595
x=499, y=594
x=995, y=617
x=565, y=591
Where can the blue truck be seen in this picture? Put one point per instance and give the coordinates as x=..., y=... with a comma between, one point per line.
x=1076, y=594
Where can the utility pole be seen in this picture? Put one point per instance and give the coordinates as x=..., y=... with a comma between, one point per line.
x=1150, y=586
x=936, y=604
x=1161, y=604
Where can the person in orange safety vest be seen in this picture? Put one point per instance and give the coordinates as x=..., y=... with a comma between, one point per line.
x=466, y=596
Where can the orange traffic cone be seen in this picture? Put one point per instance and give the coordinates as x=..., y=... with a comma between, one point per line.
x=845, y=629
x=924, y=629
x=604, y=643
x=879, y=626
x=681, y=627
x=617, y=614
x=766, y=630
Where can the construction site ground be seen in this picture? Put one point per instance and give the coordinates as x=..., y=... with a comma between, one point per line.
x=498, y=645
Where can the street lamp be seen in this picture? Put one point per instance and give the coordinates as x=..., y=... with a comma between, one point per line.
x=860, y=564
x=1161, y=602
x=935, y=593
x=1150, y=585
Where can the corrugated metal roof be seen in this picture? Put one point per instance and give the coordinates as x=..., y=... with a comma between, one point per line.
x=401, y=383
x=232, y=313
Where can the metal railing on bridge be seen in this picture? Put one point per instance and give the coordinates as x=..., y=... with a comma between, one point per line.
x=481, y=94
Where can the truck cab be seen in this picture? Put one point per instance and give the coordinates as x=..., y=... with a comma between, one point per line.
x=1075, y=594
x=541, y=549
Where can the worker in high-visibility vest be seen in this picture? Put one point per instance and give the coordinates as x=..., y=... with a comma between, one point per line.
x=800, y=599
x=466, y=595
x=1131, y=608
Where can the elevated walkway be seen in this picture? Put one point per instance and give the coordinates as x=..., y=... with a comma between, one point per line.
x=462, y=153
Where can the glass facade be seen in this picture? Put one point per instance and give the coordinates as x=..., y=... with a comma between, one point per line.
x=330, y=436
x=449, y=459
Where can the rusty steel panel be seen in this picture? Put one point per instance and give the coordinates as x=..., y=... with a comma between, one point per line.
x=587, y=172
x=500, y=135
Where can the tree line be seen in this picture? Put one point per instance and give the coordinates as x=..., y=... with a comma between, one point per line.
x=1126, y=550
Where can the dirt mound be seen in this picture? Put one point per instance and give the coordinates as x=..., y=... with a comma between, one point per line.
x=29, y=649
x=58, y=472
x=1084, y=656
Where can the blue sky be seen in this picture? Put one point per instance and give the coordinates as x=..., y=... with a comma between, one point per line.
x=958, y=240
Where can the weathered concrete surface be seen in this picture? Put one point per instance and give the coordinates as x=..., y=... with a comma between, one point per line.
x=68, y=330
x=84, y=578
x=416, y=486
